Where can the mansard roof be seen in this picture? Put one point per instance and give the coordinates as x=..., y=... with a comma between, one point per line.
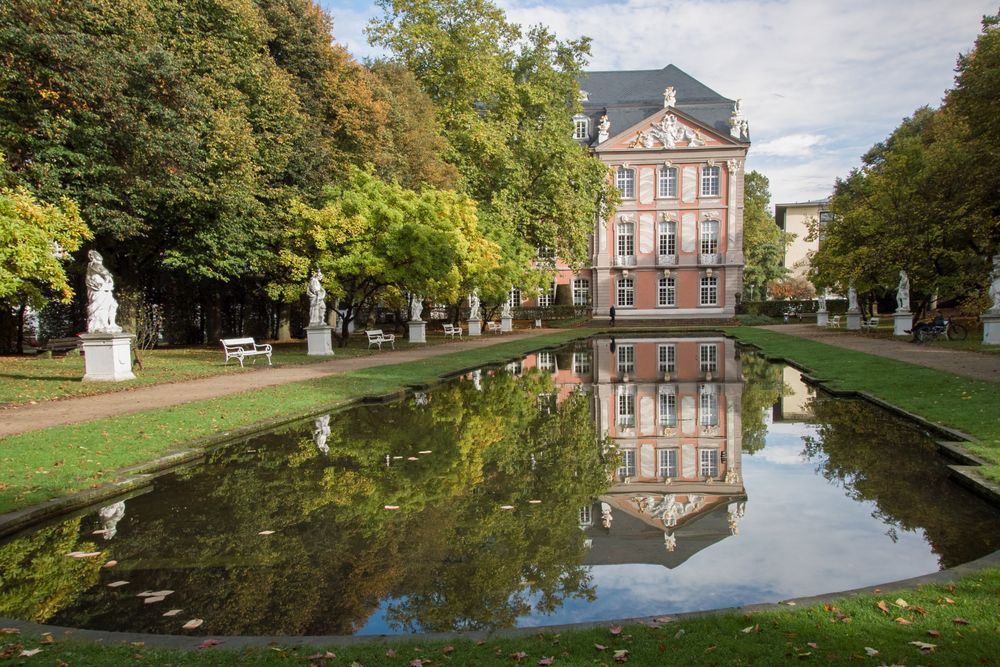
x=631, y=96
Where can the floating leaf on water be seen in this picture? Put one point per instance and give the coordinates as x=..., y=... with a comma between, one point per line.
x=116, y=584
x=110, y=564
x=155, y=598
x=172, y=612
x=266, y=532
x=192, y=624
x=392, y=507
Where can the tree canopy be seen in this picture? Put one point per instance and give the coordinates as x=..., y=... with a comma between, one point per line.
x=763, y=242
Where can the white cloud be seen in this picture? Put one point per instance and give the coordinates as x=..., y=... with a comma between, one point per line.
x=790, y=145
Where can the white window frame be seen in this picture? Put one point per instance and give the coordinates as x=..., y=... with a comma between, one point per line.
x=581, y=127
x=667, y=414
x=625, y=409
x=625, y=239
x=666, y=241
x=666, y=183
x=625, y=182
x=666, y=463
x=625, y=293
x=514, y=297
x=666, y=358
x=581, y=363
x=711, y=181
x=581, y=291
x=546, y=361
x=709, y=238
x=627, y=468
x=708, y=409
x=708, y=357
x=708, y=294
x=625, y=359
x=666, y=292
x=708, y=463
x=546, y=297
x=585, y=517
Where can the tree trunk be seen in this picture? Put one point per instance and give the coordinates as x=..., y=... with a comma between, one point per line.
x=284, y=322
x=213, y=321
x=345, y=323
x=19, y=345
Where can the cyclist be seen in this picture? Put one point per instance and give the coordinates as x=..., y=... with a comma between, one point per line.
x=938, y=321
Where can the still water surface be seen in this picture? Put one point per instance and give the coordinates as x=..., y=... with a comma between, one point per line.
x=616, y=478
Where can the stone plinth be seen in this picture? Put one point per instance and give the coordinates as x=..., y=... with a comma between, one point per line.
x=822, y=318
x=418, y=331
x=319, y=340
x=475, y=327
x=506, y=324
x=902, y=322
x=991, y=328
x=853, y=321
x=108, y=357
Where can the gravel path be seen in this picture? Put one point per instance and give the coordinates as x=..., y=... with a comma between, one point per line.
x=976, y=365
x=24, y=418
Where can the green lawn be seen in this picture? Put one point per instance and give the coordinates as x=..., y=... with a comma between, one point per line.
x=970, y=406
x=929, y=625
x=53, y=462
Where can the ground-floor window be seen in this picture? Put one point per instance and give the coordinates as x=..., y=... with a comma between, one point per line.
x=515, y=297
x=709, y=462
x=666, y=292
x=626, y=292
x=627, y=468
x=581, y=363
x=709, y=291
x=546, y=297
x=668, y=463
x=547, y=362
x=581, y=291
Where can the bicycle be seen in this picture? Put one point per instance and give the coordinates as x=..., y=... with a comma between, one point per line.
x=951, y=330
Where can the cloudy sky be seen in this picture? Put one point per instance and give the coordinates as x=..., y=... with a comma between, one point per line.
x=821, y=80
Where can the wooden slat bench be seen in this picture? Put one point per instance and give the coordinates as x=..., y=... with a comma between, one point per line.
x=60, y=344
x=376, y=337
x=241, y=348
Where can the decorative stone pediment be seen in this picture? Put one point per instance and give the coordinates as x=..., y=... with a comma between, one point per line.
x=667, y=129
x=669, y=132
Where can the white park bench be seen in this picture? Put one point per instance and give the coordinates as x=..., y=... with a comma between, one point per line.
x=452, y=330
x=241, y=348
x=494, y=327
x=869, y=324
x=834, y=322
x=376, y=337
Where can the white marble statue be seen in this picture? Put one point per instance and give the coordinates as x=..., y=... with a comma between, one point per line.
x=606, y=517
x=321, y=432
x=852, y=299
x=669, y=97
x=505, y=310
x=995, y=285
x=668, y=132
x=903, y=293
x=474, y=304
x=110, y=515
x=669, y=541
x=603, y=128
x=477, y=379
x=738, y=126
x=416, y=307
x=822, y=302
x=317, y=299
x=101, y=305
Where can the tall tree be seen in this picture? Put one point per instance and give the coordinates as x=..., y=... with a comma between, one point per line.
x=763, y=242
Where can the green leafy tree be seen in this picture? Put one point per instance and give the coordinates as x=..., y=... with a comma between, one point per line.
x=763, y=242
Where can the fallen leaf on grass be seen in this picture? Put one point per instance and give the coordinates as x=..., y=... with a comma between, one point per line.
x=751, y=628
x=412, y=458
x=209, y=643
x=933, y=633
x=615, y=630
x=547, y=661
x=418, y=662
x=116, y=584
x=83, y=554
x=949, y=601
x=600, y=647
x=680, y=633
x=812, y=645
x=506, y=507
x=534, y=502
x=903, y=621
x=448, y=649
x=322, y=656
x=266, y=532
x=883, y=606
x=518, y=655
x=621, y=655
x=172, y=612
x=110, y=564
x=9, y=631
x=924, y=646
x=27, y=653
x=900, y=602
x=871, y=651
x=959, y=621
x=390, y=654
x=154, y=598
x=47, y=638
x=424, y=451
x=192, y=624
x=392, y=507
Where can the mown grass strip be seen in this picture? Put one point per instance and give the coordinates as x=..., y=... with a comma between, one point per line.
x=970, y=406
x=53, y=462
x=952, y=625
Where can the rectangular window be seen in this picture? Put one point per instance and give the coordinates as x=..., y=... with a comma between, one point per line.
x=708, y=357
x=709, y=237
x=547, y=403
x=709, y=463
x=667, y=186
x=710, y=181
x=626, y=239
x=667, y=238
x=709, y=409
x=546, y=297
x=666, y=293
x=515, y=297
x=627, y=468
x=626, y=409
x=626, y=359
x=709, y=291
x=668, y=463
x=586, y=516
x=581, y=363
x=666, y=358
x=581, y=128
x=581, y=291
x=546, y=254
x=625, y=182
x=626, y=292
x=547, y=362
x=668, y=410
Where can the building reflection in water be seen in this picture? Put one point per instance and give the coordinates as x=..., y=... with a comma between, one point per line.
x=671, y=406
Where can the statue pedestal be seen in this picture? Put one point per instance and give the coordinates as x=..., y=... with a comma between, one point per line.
x=822, y=318
x=991, y=328
x=903, y=322
x=475, y=327
x=319, y=340
x=853, y=321
x=418, y=331
x=108, y=357
x=506, y=324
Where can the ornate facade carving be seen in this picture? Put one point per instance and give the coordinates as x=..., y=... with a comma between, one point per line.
x=669, y=97
x=669, y=131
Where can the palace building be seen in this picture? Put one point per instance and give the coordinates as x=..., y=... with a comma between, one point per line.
x=676, y=150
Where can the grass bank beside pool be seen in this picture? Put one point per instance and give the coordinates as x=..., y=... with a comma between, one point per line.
x=57, y=461
x=929, y=625
x=969, y=406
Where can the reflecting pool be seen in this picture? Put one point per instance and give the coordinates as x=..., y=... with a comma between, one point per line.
x=613, y=478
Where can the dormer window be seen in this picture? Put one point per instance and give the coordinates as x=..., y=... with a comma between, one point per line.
x=581, y=127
